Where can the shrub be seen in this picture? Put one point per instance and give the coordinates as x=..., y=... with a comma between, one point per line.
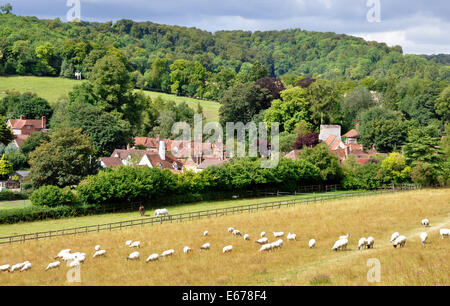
x=52, y=196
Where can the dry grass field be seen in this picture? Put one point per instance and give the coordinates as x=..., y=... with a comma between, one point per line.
x=294, y=264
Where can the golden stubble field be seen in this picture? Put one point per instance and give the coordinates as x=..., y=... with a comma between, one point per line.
x=294, y=264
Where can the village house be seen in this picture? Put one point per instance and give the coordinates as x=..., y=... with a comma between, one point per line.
x=22, y=128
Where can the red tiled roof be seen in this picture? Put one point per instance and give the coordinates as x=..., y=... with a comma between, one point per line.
x=111, y=161
x=168, y=163
x=330, y=140
x=123, y=154
x=363, y=161
x=210, y=162
x=352, y=134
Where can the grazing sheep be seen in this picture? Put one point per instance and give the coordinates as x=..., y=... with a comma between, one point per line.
x=277, y=244
x=62, y=252
x=445, y=232
x=97, y=247
x=206, y=246
x=266, y=247
x=167, y=253
x=362, y=243
x=68, y=257
x=263, y=234
x=230, y=230
x=53, y=265
x=370, y=242
x=134, y=255
x=278, y=234
x=291, y=237
x=235, y=197
x=81, y=257
x=99, y=253
x=128, y=242
x=227, y=249
x=161, y=212
x=394, y=236
x=4, y=268
x=187, y=249
x=152, y=257
x=341, y=244
x=205, y=233
x=135, y=244
x=18, y=266
x=262, y=240
x=423, y=237
x=237, y=233
x=312, y=243
x=246, y=237
x=26, y=266
x=74, y=263
x=400, y=240
x=345, y=236
x=425, y=222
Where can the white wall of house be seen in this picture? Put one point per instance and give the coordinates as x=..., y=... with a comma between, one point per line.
x=145, y=161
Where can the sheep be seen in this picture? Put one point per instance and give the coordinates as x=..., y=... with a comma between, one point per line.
x=266, y=247
x=135, y=244
x=362, y=243
x=312, y=243
x=263, y=234
x=227, y=249
x=278, y=234
x=206, y=246
x=345, y=236
x=74, y=263
x=262, y=240
x=237, y=233
x=246, y=237
x=18, y=266
x=152, y=257
x=187, y=249
x=423, y=237
x=444, y=232
x=161, y=212
x=128, y=242
x=99, y=253
x=62, y=252
x=26, y=266
x=278, y=244
x=205, y=233
x=68, y=257
x=53, y=265
x=81, y=257
x=167, y=253
x=97, y=247
x=370, y=242
x=394, y=236
x=134, y=255
x=230, y=229
x=401, y=241
x=425, y=222
x=291, y=236
x=4, y=268
x=340, y=244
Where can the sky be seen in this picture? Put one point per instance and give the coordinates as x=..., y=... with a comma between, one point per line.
x=419, y=26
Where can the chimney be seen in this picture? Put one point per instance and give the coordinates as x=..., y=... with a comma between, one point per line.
x=44, y=121
x=22, y=117
x=162, y=150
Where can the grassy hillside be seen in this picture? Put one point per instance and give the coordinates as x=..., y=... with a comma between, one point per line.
x=52, y=89
x=294, y=264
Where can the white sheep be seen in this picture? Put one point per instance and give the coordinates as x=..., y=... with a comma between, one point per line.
x=340, y=244
x=187, y=249
x=26, y=266
x=135, y=244
x=230, y=229
x=291, y=236
x=400, y=240
x=263, y=240
x=263, y=234
x=68, y=256
x=18, y=266
x=423, y=237
x=128, y=242
x=53, y=265
x=370, y=242
x=394, y=236
x=167, y=253
x=246, y=237
x=345, y=236
x=4, y=268
x=266, y=247
x=97, y=247
x=278, y=234
x=277, y=244
x=237, y=233
x=425, y=222
x=152, y=257
x=99, y=253
x=444, y=232
x=206, y=246
x=362, y=243
x=74, y=263
x=62, y=252
x=227, y=249
x=134, y=255
x=81, y=257
x=161, y=212
x=205, y=233
x=312, y=243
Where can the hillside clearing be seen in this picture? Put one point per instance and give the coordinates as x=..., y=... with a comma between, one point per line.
x=294, y=264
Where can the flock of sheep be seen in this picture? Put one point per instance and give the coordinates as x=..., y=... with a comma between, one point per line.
x=75, y=259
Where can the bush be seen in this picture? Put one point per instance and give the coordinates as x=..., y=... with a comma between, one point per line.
x=51, y=196
x=7, y=195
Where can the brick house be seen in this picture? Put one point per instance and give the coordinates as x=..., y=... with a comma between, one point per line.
x=22, y=128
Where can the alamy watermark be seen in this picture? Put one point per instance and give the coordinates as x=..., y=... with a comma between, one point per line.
x=374, y=13
x=74, y=13
x=374, y=273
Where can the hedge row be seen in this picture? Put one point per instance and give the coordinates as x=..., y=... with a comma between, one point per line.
x=8, y=195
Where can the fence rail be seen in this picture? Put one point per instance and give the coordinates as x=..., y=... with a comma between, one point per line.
x=198, y=214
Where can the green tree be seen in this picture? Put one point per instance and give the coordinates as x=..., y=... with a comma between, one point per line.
x=395, y=169
x=6, y=9
x=29, y=105
x=422, y=145
x=356, y=101
x=33, y=141
x=6, y=168
x=6, y=135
